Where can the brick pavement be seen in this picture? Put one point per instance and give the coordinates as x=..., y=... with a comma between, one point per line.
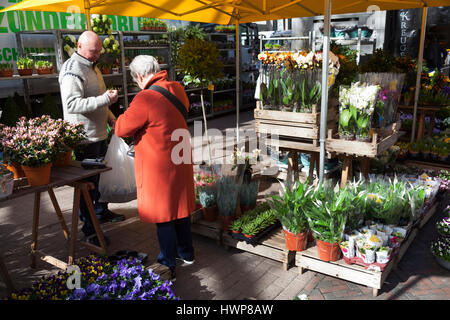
x=218, y=273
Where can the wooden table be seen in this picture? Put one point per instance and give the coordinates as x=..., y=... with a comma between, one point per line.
x=423, y=112
x=74, y=176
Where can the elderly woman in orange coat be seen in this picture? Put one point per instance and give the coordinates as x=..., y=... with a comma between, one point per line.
x=165, y=188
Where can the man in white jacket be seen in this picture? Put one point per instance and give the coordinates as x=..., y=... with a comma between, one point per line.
x=86, y=100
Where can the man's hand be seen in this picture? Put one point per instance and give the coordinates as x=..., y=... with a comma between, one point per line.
x=112, y=95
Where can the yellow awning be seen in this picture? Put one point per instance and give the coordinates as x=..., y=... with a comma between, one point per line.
x=221, y=11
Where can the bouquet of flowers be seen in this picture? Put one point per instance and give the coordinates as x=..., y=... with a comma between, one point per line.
x=356, y=110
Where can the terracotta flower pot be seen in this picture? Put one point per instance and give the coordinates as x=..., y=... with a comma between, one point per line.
x=249, y=236
x=226, y=220
x=63, y=159
x=210, y=214
x=16, y=169
x=328, y=251
x=105, y=70
x=296, y=242
x=6, y=73
x=38, y=176
x=25, y=72
x=45, y=70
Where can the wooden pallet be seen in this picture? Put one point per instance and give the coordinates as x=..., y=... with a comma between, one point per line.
x=271, y=246
x=372, y=278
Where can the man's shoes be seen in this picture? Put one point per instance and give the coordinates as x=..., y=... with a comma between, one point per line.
x=109, y=216
x=189, y=262
x=93, y=239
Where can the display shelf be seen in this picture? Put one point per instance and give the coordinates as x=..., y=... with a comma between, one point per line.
x=34, y=76
x=225, y=90
x=371, y=277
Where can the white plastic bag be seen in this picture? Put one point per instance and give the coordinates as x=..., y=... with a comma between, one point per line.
x=119, y=184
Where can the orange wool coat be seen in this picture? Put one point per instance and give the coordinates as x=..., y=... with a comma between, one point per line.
x=165, y=190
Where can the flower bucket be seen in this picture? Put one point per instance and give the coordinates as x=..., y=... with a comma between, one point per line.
x=16, y=169
x=210, y=214
x=295, y=242
x=226, y=220
x=38, y=176
x=63, y=159
x=328, y=251
x=25, y=72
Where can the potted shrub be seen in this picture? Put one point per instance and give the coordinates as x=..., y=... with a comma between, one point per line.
x=208, y=197
x=6, y=69
x=327, y=216
x=43, y=67
x=290, y=207
x=227, y=194
x=25, y=66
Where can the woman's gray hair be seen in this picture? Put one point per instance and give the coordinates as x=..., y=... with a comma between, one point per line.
x=144, y=65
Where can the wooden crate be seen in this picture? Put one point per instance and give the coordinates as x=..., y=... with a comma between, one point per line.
x=301, y=129
x=382, y=140
x=374, y=279
x=271, y=246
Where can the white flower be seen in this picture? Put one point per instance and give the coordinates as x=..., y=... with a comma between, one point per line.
x=303, y=297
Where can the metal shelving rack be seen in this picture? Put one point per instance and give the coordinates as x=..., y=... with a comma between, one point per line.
x=126, y=69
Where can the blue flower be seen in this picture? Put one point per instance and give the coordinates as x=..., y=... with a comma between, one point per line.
x=112, y=287
x=79, y=294
x=103, y=277
x=138, y=283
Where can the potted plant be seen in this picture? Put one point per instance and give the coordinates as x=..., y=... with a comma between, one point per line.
x=25, y=66
x=208, y=197
x=34, y=148
x=105, y=68
x=43, y=67
x=6, y=182
x=6, y=69
x=248, y=195
x=268, y=46
x=290, y=208
x=276, y=46
x=443, y=227
x=227, y=195
x=441, y=251
x=383, y=254
x=70, y=137
x=327, y=216
x=10, y=158
x=205, y=73
x=414, y=150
